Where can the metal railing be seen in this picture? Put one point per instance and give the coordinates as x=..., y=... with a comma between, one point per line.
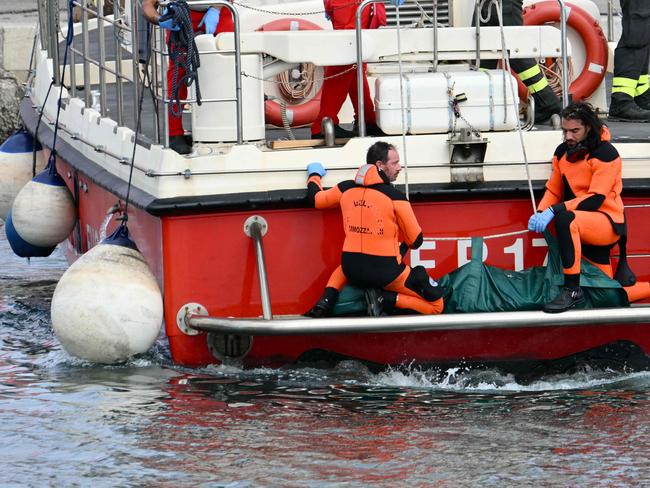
x=96, y=56
x=49, y=31
x=238, y=87
x=359, y=41
x=419, y=323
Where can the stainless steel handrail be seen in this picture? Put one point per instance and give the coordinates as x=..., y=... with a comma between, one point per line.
x=610, y=20
x=238, y=87
x=101, y=39
x=85, y=42
x=435, y=36
x=565, y=61
x=52, y=9
x=477, y=27
x=255, y=227
x=420, y=323
x=360, y=117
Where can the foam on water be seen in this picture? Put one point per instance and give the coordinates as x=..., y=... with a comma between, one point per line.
x=492, y=381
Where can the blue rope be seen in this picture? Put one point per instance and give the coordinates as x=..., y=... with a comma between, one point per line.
x=183, y=52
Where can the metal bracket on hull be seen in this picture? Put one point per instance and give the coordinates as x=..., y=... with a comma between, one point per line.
x=186, y=311
x=298, y=325
x=466, y=156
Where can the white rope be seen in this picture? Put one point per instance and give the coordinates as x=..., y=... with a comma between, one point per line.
x=485, y=238
x=401, y=99
x=515, y=100
x=508, y=234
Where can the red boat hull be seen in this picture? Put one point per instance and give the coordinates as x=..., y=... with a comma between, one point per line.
x=208, y=259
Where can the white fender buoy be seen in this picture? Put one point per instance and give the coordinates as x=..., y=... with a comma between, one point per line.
x=42, y=215
x=16, y=167
x=107, y=306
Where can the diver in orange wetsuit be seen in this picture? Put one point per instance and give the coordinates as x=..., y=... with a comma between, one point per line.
x=376, y=218
x=583, y=195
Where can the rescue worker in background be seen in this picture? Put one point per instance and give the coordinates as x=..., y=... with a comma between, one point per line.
x=376, y=218
x=630, y=93
x=341, y=81
x=583, y=195
x=528, y=70
x=204, y=19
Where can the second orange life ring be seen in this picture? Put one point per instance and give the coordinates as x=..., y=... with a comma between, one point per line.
x=303, y=113
x=597, y=52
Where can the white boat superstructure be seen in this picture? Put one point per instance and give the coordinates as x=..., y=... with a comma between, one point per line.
x=221, y=165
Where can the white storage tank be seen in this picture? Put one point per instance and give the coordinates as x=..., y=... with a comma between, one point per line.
x=217, y=121
x=427, y=101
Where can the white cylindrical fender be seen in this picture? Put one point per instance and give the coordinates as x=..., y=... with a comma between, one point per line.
x=107, y=306
x=44, y=214
x=16, y=161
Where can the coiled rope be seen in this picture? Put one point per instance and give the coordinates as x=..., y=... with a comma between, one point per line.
x=183, y=52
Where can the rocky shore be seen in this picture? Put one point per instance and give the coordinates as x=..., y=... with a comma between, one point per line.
x=17, y=30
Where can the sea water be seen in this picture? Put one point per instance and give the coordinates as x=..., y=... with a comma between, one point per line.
x=66, y=422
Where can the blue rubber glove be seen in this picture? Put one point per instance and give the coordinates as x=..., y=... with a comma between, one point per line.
x=543, y=219
x=210, y=20
x=532, y=222
x=397, y=3
x=167, y=23
x=316, y=169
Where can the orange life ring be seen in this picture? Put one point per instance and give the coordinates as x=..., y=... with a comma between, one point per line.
x=303, y=113
x=592, y=36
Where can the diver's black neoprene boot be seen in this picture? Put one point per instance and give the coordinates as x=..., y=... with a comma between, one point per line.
x=568, y=298
x=325, y=304
x=380, y=302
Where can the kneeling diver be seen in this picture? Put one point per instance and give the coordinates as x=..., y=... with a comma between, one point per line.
x=376, y=218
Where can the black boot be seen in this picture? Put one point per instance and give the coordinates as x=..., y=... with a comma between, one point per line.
x=372, y=130
x=546, y=105
x=380, y=302
x=325, y=304
x=181, y=144
x=339, y=133
x=643, y=101
x=624, y=109
x=567, y=298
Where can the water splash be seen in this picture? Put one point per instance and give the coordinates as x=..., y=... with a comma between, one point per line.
x=493, y=381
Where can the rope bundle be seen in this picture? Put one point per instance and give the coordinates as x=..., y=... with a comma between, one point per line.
x=183, y=52
x=295, y=90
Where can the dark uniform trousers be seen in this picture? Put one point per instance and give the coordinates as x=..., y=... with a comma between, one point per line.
x=632, y=53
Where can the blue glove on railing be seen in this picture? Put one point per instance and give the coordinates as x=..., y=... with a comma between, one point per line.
x=397, y=3
x=167, y=22
x=539, y=221
x=210, y=20
x=316, y=169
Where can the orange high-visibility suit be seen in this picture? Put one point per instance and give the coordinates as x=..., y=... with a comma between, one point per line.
x=376, y=218
x=585, y=193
